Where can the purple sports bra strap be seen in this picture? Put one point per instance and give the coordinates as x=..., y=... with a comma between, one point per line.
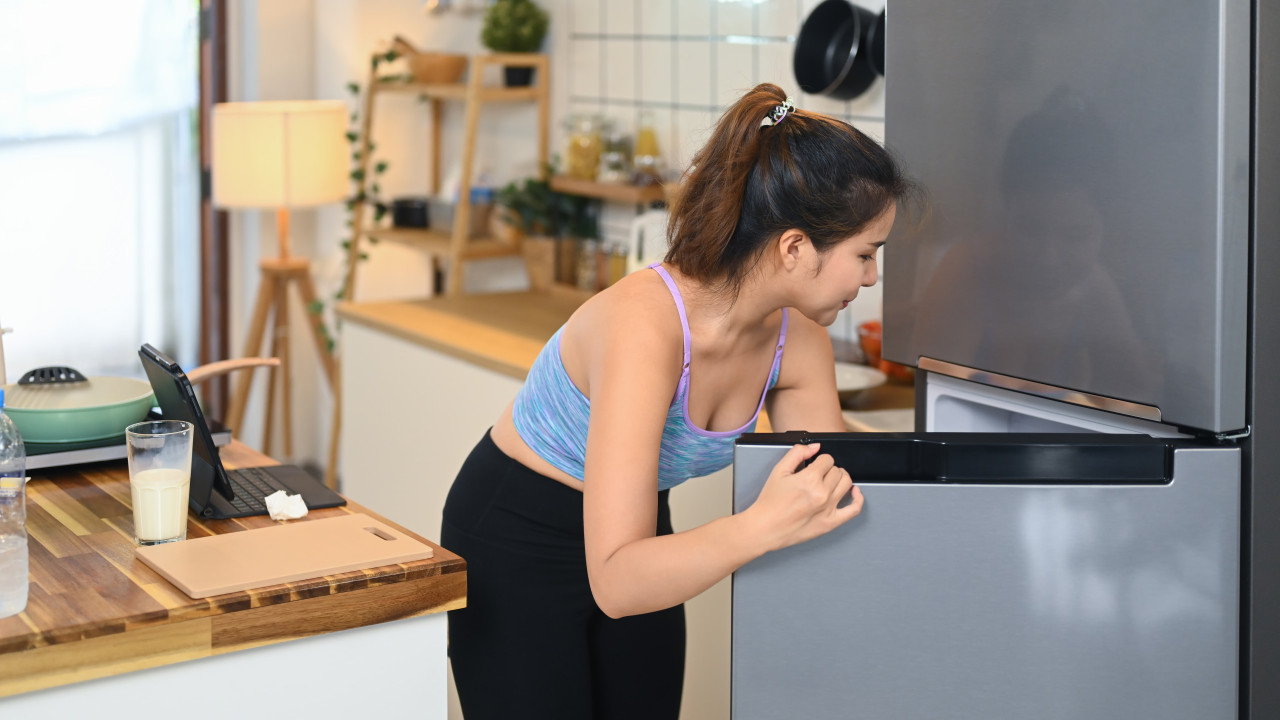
x=782, y=335
x=684, y=319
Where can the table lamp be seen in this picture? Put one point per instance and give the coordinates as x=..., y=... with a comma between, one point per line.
x=279, y=155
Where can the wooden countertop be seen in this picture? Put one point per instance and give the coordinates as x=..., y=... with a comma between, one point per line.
x=500, y=331
x=95, y=610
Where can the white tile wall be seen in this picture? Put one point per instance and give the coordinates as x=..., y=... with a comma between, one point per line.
x=692, y=128
x=735, y=18
x=654, y=17
x=686, y=60
x=584, y=68
x=735, y=71
x=779, y=18
x=656, y=63
x=694, y=73
x=584, y=16
x=620, y=15
x=620, y=69
x=692, y=17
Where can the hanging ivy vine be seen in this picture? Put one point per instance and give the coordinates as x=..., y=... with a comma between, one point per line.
x=372, y=196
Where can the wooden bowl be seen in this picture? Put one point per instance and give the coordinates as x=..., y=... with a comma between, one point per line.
x=437, y=68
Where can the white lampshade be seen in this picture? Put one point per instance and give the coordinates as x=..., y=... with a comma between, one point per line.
x=279, y=154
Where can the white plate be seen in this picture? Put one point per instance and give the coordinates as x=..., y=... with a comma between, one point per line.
x=850, y=377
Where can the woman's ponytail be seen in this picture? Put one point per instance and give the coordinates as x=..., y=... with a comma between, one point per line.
x=711, y=193
x=753, y=180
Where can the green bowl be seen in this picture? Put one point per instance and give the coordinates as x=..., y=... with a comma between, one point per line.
x=97, y=409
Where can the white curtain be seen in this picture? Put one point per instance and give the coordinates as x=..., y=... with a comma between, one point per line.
x=99, y=182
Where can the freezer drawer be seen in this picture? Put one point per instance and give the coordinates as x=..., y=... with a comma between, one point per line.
x=973, y=601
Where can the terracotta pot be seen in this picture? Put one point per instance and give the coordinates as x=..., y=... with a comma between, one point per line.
x=539, y=261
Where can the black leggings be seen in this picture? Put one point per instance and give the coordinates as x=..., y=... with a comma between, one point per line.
x=531, y=642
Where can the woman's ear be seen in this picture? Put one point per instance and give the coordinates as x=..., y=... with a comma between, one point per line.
x=792, y=246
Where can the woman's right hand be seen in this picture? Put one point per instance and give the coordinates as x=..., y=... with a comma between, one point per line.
x=798, y=504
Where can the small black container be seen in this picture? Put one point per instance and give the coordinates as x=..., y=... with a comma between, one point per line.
x=409, y=212
x=517, y=76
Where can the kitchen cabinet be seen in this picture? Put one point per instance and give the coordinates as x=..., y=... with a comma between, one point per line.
x=102, y=630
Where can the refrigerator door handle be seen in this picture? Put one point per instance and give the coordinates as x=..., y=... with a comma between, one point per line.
x=1083, y=399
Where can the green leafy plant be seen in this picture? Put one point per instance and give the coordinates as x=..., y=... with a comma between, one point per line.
x=532, y=206
x=514, y=26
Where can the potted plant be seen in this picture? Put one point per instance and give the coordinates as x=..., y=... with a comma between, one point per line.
x=514, y=26
x=551, y=223
x=527, y=208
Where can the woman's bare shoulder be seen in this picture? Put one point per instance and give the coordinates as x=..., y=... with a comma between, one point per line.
x=635, y=317
x=637, y=305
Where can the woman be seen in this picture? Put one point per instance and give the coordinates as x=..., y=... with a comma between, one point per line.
x=575, y=577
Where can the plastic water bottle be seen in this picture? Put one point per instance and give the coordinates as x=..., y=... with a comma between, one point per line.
x=14, y=578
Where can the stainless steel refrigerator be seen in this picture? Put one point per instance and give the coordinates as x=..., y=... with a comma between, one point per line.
x=1086, y=524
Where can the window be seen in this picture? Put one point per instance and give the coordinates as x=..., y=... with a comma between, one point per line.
x=99, y=183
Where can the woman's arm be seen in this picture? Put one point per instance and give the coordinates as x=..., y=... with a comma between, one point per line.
x=631, y=363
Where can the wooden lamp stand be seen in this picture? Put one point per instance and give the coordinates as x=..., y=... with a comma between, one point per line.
x=277, y=274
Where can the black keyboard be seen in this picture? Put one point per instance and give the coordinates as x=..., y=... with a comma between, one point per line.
x=251, y=486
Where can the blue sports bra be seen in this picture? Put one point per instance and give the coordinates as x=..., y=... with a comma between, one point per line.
x=551, y=414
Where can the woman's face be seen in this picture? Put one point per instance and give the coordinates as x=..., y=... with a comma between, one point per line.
x=845, y=269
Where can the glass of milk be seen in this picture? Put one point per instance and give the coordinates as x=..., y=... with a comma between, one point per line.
x=159, y=479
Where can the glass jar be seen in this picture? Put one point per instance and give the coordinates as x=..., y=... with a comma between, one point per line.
x=617, y=262
x=587, y=268
x=648, y=159
x=615, y=159
x=567, y=260
x=585, y=140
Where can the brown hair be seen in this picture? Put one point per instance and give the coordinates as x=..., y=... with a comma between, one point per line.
x=750, y=183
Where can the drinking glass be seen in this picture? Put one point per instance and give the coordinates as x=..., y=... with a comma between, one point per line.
x=159, y=479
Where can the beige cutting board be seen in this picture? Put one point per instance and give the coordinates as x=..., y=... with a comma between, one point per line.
x=283, y=553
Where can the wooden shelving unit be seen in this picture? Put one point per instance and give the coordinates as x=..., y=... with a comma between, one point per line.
x=635, y=194
x=456, y=246
x=459, y=245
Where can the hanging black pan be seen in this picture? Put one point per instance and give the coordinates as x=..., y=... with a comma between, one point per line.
x=875, y=44
x=826, y=60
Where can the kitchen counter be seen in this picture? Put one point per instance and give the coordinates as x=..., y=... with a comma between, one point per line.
x=95, y=611
x=502, y=332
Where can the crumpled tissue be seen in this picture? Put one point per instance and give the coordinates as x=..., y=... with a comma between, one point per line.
x=284, y=506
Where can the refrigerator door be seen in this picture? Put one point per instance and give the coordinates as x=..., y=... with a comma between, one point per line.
x=1087, y=169
x=973, y=600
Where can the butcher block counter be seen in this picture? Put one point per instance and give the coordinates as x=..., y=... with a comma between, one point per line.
x=502, y=332
x=96, y=614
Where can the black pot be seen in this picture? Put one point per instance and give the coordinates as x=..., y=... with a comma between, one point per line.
x=826, y=60
x=875, y=44
x=518, y=76
x=409, y=212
